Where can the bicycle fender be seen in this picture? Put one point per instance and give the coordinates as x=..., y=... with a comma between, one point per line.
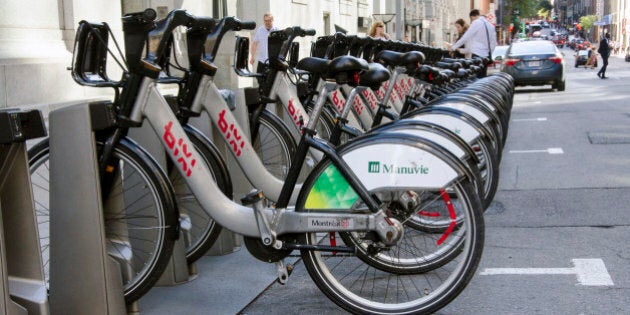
x=404, y=161
x=457, y=125
x=441, y=131
x=216, y=154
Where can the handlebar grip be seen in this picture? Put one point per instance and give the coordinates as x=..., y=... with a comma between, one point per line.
x=201, y=23
x=149, y=14
x=309, y=32
x=248, y=25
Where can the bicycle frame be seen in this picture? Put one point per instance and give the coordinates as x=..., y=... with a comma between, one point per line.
x=150, y=105
x=209, y=99
x=286, y=93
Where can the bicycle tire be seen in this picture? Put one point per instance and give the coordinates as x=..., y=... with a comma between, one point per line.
x=488, y=169
x=162, y=210
x=199, y=229
x=274, y=144
x=345, y=279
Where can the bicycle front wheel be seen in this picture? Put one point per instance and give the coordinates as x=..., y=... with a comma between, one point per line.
x=274, y=144
x=422, y=273
x=139, y=214
x=199, y=229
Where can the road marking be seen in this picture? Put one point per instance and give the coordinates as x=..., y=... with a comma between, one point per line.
x=549, y=151
x=591, y=272
x=531, y=119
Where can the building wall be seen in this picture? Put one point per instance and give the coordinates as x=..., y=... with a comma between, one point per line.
x=37, y=36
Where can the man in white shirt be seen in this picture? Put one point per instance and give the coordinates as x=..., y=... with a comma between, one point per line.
x=259, y=51
x=480, y=39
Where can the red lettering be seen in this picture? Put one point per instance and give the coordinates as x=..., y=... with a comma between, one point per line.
x=171, y=143
x=337, y=101
x=295, y=113
x=291, y=108
x=358, y=106
x=168, y=135
x=223, y=125
x=231, y=134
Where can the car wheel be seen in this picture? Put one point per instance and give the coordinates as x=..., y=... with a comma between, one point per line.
x=560, y=86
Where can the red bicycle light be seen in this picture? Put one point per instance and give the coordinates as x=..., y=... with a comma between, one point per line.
x=356, y=77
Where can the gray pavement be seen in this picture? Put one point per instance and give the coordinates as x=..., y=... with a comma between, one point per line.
x=549, y=210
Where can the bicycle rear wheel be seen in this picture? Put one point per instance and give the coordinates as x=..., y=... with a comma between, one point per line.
x=422, y=273
x=139, y=213
x=274, y=144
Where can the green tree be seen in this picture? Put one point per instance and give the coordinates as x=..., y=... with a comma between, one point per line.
x=545, y=5
x=587, y=22
x=527, y=9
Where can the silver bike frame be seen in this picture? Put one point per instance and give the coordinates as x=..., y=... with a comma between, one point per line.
x=150, y=105
x=286, y=92
x=209, y=98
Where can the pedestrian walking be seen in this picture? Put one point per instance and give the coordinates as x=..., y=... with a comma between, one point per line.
x=604, y=51
x=259, y=50
x=480, y=39
x=592, y=58
x=461, y=26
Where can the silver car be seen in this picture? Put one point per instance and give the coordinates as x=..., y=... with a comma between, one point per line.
x=536, y=62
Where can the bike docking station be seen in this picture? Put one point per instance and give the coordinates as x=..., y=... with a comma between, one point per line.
x=84, y=278
x=23, y=289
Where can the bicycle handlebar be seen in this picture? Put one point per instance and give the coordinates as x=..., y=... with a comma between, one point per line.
x=213, y=37
x=140, y=26
x=163, y=35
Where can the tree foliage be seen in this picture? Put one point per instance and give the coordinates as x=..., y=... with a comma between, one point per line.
x=527, y=9
x=587, y=22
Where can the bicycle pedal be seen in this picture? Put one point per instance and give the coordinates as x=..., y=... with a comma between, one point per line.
x=252, y=197
x=283, y=271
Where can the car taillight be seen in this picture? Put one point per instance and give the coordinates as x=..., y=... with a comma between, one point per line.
x=510, y=62
x=556, y=60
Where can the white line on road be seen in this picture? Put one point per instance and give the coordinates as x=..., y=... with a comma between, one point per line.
x=549, y=151
x=591, y=272
x=531, y=119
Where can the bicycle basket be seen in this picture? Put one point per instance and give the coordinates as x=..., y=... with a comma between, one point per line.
x=89, y=57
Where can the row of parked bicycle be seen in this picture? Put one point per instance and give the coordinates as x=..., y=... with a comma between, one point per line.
x=376, y=158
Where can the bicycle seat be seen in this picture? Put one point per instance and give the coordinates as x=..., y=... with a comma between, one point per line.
x=412, y=59
x=449, y=65
x=390, y=58
x=373, y=78
x=313, y=65
x=345, y=69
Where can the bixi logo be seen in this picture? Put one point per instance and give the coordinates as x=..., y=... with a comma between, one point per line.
x=375, y=167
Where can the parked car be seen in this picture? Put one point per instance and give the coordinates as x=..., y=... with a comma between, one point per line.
x=498, y=54
x=583, y=45
x=535, y=63
x=581, y=57
x=558, y=41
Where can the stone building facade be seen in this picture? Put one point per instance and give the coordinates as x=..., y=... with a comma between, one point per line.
x=36, y=37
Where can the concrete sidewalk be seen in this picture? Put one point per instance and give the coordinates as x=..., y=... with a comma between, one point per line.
x=225, y=284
